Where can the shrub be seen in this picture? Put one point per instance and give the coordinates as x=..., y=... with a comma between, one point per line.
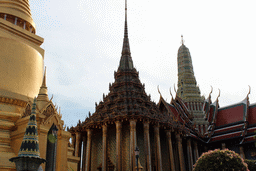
x=251, y=164
x=221, y=160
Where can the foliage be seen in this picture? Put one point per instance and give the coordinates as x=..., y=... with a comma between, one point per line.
x=223, y=160
x=251, y=164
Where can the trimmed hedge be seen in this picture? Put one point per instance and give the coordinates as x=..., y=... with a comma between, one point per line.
x=251, y=164
x=221, y=160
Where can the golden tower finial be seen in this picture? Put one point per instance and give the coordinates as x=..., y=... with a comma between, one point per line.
x=182, y=40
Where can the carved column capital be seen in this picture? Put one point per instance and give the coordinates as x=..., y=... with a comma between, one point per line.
x=118, y=126
x=168, y=134
x=156, y=128
x=104, y=130
x=146, y=126
x=132, y=124
x=178, y=137
x=189, y=141
x=89, y=132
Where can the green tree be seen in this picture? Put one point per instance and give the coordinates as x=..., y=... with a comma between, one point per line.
x=221, y=160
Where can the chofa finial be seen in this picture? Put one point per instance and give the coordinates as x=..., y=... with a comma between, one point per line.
x=249, y=91
x=159, y=91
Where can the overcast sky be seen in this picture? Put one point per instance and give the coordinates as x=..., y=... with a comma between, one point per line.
x=83, y=43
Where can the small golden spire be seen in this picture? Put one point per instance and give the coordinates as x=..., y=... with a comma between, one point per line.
x=182, y=40
x=44, y=78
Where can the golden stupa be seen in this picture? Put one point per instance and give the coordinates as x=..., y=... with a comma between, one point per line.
x=21, y=79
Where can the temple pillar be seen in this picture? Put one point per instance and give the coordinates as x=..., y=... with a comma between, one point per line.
x=88, y=150
x=169, y=138
x=84, y=153
x=104, y=147
x=180, y=149
x=147, y=145
x=78, y=148
x=158, y=148
x=118, y=145
x=241, y=148
x=190, y=156
x=196, y=151
x=132, y=144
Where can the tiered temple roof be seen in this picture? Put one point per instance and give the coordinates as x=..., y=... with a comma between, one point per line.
x=127, y=98
x=236, y=121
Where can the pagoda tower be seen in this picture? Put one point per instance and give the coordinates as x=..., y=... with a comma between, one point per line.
x=29, y=155
x=124, y=120
x=21, y=69
x=188, y=90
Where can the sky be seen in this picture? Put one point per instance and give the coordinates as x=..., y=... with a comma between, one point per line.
x=83, y=43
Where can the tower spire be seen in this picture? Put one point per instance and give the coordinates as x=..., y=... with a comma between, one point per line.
x=182, y=40
x=125, y=24
x=126, y=46
x=42, y=98
x=126, y=60
x=29, y=155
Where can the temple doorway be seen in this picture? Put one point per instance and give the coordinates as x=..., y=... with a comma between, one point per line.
x=51, y=148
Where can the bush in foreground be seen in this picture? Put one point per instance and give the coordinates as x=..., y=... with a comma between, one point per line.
x=251, y=164
x=221, y=160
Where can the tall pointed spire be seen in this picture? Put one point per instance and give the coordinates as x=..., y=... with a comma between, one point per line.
x=182, y=40
x=29, y=155
x=43, y=89
x=126, y=60
x=126, y=46
x=42, y=98
x=30, y=144
x=44, y=79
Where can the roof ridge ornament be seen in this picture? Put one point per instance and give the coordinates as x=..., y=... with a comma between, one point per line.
x=249, y=91
x=171, y=92
x=210, y=92
x=175, y=89
x=218, y=95
x=159, y=91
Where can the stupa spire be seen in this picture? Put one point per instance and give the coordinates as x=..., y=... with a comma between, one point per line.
x=44, y=79
x=42, y=98
x=43, y=89
x=29, y=156
x=182, y=40
x=126, y=60
x=30, y=144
